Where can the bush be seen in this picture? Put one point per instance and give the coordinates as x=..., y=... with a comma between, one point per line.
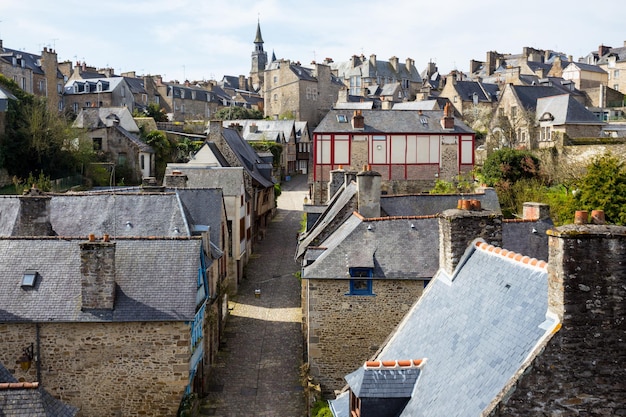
x=321, y=409
x=509, y=165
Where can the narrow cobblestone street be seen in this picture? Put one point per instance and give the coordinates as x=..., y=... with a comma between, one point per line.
x=258, y=370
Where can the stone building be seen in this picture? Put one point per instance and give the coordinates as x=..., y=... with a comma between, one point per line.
x=410, y=149
x=522, y=118
x=187, y=101
x=259, y=61
x=186, y=229
x=114, y=134
x=364, y=76
x=368, y=257
x=303, y=94
x=35, y=74
x=613, y=61
x=469, y=97
x=497, y=333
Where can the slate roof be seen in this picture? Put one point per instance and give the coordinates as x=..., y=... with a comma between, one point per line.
x=486, y=92
x=620, y=53
x=265, y=127
x=384, y=69
x=396, y=248
x=528, y=95
x=417, y=105
x=108, y=85
x=135, y=141
x=156, y=280
x=30, y=400
x=391, y=121
x=429, y=204
x=477, y=329
x=373, y=380
x=527, y=236
x=588, y=67
x=101, y=117
x=249, y=159
x=564, y=109
x=205, y=207
x=228, y=179
x=31, y=61
x=335, y=212
x=119, y=214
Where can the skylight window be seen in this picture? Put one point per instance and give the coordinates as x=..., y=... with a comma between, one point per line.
x=29, y=279
x=341, y=118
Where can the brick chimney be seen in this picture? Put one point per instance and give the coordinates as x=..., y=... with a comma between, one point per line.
x=337, y=178
x=459, y=227
x=447, y=122
x=34, y=215
x=368, y=189
x=176, y=179
x=253, y=128
x=603, y=50
x=358, y=121
x=97, y=272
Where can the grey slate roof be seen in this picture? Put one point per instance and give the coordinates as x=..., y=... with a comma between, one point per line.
x=205, y=207
x=476, y=328
x=249, y=159
x=391, y=121
x=383, y=382
x=564, y=109
x=527, y=237
x=485, y=92
x=119, y=214
x=528, y=95
x=620, y=53
x=396, y=248
x=417, y=105
x=30, y=402
x=229, y=179
x=429, y=204
x=156, y=281
x=336, y=211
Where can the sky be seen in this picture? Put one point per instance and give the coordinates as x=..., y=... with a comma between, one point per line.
x=207, y=39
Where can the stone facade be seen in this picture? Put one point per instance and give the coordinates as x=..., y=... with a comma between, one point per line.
x=302, y=93
x=105, y=369
x=580, y=370
x=344, y=329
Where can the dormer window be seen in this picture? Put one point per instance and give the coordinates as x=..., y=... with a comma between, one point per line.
x=29, y=279
x=99, y=87
x=76, y=88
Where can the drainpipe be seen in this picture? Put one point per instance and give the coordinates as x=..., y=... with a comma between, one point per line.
x=38, y=357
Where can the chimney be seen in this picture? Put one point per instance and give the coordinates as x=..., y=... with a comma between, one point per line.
x=350, y=176
x=358, y=121
x=337, y=178
x=34, y=214
x=373, y=60
x=474, y=66
x=215, y=133
x=176, y=179
x=490, y=64
x=536, y=211
x=603, y=50
x=394, y=62
x=368, y=189
x=447, y=122
x=97, y=272
x=242, y=83
x=408, y=64
x=459, y=227
x=253, y=128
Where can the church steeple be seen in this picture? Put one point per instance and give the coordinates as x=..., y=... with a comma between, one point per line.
x=259, y=60
x=258, y=39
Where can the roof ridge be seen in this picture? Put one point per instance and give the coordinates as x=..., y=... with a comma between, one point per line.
x=395, y=364
x=18, y=385
x=514, y=256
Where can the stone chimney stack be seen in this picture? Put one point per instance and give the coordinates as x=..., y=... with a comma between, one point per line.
x=243, y=85
x=368, y=189
x=97, y=272
x=337, y=178
x=373, y=60
x=358, y=121
x=447, y=122
x=459, y=227
x=176, y=179
x=34, y=215
x=394, y=62
x=215, y=133
x=350, y=176
x=536, y=211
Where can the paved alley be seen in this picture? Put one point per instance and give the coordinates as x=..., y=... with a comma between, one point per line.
x=258, y=371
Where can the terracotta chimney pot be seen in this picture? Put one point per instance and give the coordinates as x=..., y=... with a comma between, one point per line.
x=581, y=217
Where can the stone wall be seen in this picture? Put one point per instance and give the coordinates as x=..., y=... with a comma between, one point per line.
x=105, y=369
x=346, y=330
x=580, y=371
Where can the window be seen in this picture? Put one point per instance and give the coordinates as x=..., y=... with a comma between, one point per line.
x=121, y=158
x=341, y=118
x=24, y=83
x=275, y=97
x=513, y=112
x=97, y=144
x=99, y=87
x=355, y=85
x=143, y=163
x=59, y=88
x=405, y=83
x=42, y=85
x=275, y=79
x=75, y=107
x=361, y=283
x=29, y=279
x=87, y=103
x=123, y=91
x=616, y=73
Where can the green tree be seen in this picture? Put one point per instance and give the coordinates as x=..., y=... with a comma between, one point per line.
x=155, y=111
x=237, y=113
x=36, y=140
x=603, y=187
x=509, y=165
